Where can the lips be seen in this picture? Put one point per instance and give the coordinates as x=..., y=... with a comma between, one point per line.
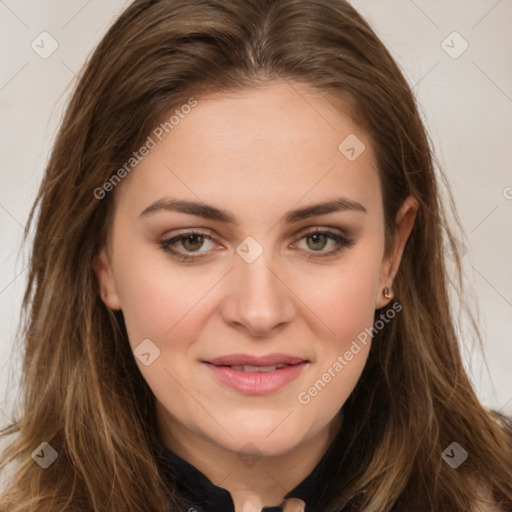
x=252, y=375
x=248, y=360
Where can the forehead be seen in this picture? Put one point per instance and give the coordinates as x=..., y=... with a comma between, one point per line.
x=273, y=147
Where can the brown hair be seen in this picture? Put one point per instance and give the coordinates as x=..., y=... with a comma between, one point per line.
x=81, y=389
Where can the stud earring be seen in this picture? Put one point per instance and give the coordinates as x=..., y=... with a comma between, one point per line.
x=388, y=293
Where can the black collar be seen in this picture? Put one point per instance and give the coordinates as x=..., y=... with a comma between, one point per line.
x=204, y=496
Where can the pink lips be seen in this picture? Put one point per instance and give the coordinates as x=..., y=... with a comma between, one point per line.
x=246, y=359
x=256, y=382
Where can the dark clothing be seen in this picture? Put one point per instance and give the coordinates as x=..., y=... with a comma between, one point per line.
x=204, y=496
x=208, y=497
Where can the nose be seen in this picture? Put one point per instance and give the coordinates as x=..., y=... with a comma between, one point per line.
x=258, y=300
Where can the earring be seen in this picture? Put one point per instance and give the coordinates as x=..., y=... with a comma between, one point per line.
x=388, y=293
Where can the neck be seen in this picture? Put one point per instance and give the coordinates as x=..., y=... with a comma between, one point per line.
x=252, y=481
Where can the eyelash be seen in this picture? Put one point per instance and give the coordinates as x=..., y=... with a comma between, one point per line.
x=343, y=242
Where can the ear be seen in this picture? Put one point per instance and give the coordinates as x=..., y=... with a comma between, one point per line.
x=404, y=222
x=107, y=285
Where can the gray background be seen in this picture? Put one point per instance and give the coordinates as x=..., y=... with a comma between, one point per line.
x=466, y=103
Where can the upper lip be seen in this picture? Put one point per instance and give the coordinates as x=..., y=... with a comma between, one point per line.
x=250, y=360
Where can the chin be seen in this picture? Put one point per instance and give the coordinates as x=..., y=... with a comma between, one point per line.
x=260, y=443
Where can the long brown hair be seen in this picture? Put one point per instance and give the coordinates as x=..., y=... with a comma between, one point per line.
x=81, y=390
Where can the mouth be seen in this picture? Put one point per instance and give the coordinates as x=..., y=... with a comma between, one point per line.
x=256, y=376
x=255, y=368
x=255, y=362
x=251, y=369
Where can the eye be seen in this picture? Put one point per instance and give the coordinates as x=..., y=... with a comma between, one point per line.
x=319, y=238
x=191, y=242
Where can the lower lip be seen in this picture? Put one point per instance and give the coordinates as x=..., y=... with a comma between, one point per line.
x=257, y=383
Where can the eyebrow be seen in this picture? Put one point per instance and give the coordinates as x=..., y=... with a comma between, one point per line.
x=211, y=212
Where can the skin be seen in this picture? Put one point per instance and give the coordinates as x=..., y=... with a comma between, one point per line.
x=258, y=154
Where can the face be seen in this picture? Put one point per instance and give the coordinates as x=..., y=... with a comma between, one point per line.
x=250, y=275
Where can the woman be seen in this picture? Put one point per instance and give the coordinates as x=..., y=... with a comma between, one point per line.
x=237, y=295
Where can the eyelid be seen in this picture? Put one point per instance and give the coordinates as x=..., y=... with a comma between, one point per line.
x=300, y=233
x=191, y=231
x=321, y=229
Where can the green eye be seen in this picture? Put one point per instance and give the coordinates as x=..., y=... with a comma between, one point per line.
x=194, y=242
x=319, y=241
x=190, y=242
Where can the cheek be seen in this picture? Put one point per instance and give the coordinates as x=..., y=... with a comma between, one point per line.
x=343, y=300
x=347, y=307
x=159, y=298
